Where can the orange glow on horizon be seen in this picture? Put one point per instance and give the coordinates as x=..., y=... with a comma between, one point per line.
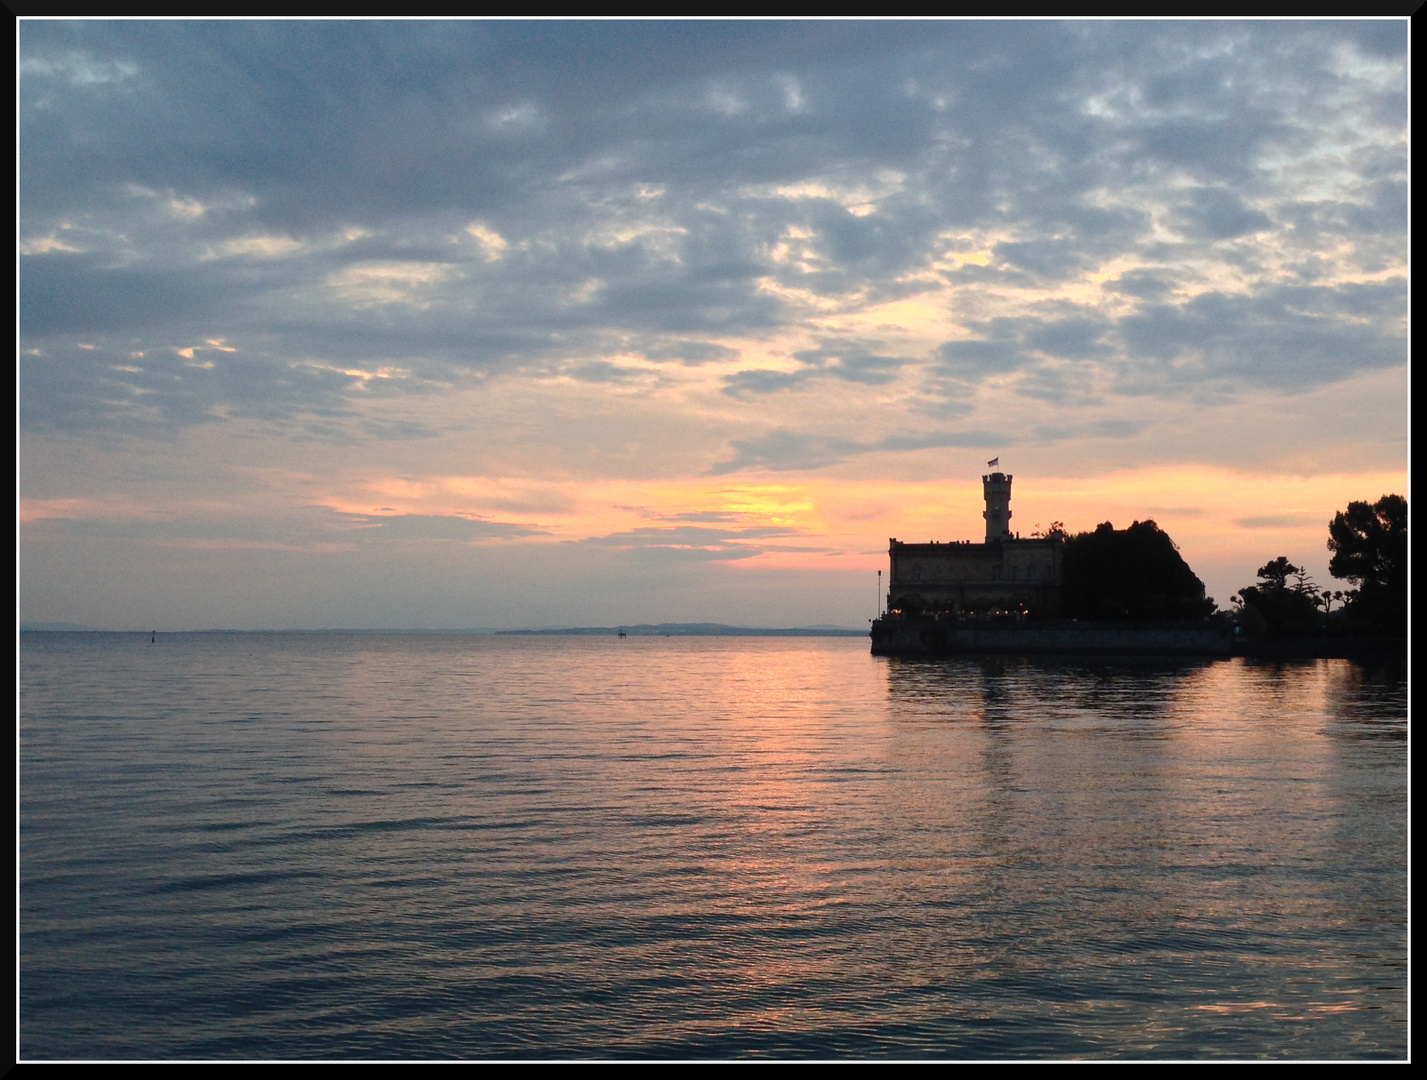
x=820, y=522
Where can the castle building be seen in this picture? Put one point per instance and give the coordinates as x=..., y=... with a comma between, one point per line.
x=1005, y=573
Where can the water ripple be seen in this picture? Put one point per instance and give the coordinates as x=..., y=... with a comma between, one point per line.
x=325, y=846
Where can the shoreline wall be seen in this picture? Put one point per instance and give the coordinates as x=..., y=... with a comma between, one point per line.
x=929, y=636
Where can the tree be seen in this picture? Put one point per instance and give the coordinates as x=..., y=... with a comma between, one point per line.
x=1369, y=546
x=1275, y=607
x=1134, y=573
x=1275, y=575
x=1330, y=595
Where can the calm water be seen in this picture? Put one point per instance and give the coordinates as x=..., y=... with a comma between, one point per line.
x=400, y=846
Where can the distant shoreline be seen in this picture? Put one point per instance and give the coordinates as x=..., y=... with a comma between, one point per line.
x=692, y=630
x=640, y=630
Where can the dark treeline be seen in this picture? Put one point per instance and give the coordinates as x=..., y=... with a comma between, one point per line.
x=1369, y=546
x=1138, y=573
x=1134, y=573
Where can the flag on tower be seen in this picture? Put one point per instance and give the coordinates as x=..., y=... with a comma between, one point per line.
x=994, y=461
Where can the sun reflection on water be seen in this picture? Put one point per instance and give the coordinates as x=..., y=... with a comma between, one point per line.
x=279, y=845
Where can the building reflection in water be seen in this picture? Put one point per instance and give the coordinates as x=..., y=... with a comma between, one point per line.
x=1186, y=825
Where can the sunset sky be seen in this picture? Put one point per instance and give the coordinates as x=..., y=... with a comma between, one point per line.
x=513, y=324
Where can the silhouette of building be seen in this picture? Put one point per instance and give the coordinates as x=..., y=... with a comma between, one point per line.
x=997, y=490
x=1005, y=573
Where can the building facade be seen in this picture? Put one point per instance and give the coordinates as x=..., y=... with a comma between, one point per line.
x=1005, y=573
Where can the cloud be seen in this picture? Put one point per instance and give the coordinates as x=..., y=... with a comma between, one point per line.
x=435, y=527
x=1209, y=147
x=1287, y=338
x=1094, y=429
x=1143, y=284
x=785, y=451
x=1279, y=521
x=759, y=381
x=782, y=450
x=847, y=361
x=1217, y=214
x=976, y=359
x=601, y=371
x=305, y=528
x=1382, y=38
x=706, y=516
x=78, y=69
x=587, y=252
x=74, y=293
x=1050, y=351
x=700, y=543
x=475, y=210
x=852, y=361
x=398, y=430
x=690, y=352
x=1051, y=259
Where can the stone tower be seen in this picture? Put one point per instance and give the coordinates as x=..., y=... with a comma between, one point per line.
x=997, y=487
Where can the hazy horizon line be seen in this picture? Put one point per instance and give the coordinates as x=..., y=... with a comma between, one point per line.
x=77, y=628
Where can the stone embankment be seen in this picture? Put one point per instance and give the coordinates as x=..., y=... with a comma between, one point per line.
x=928, y=635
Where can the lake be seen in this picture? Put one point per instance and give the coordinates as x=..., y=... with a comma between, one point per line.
x=353, y=846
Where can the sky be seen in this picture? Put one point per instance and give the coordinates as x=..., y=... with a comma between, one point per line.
x=516, y=324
